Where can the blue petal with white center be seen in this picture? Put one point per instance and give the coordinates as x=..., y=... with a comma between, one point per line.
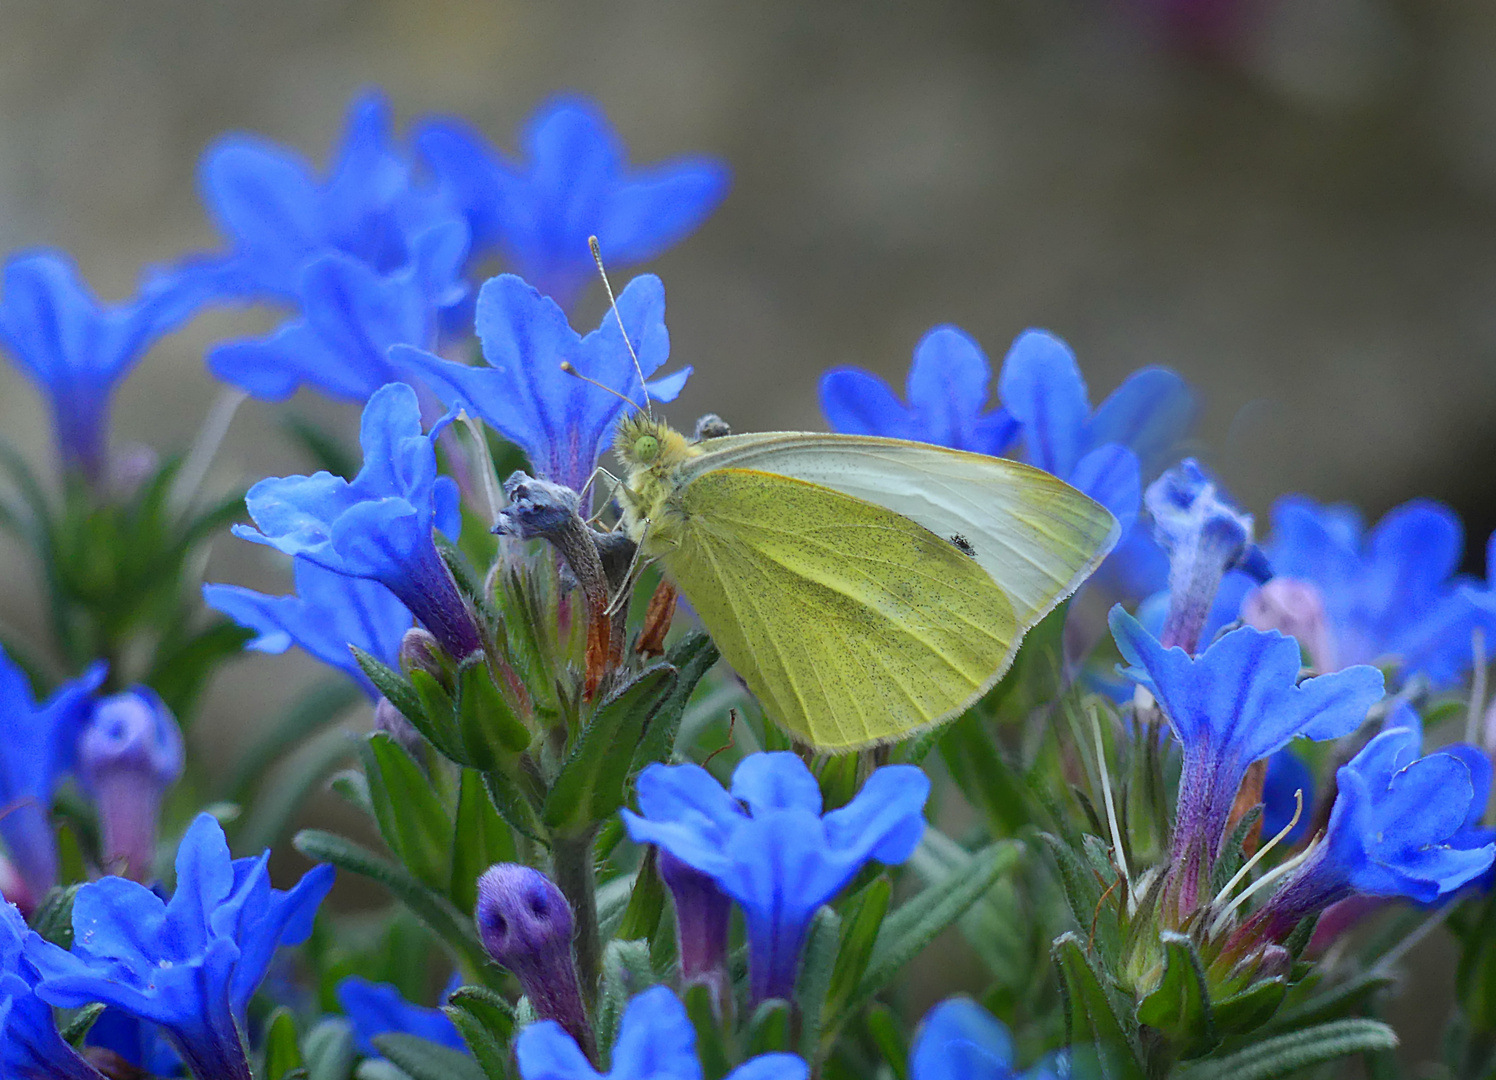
x=768, y=846
x=561, y=422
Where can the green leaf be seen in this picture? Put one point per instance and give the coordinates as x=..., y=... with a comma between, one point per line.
x=814, y=984
x=641, y=919
x=490, y=730
x=490, y=1054
x=859, y=935
x=769, y=1028
x=421, y=1059
x=436, y=911
x=439, y=730
x=1180, y=1005
x=1247, y=1010
x=1286, y=1054
x=916, y=923
x=512, y=803
x=888, y=1036
x=1092, y=1028
x=480, y=840
x=1083, y=893
x=282, y=1049
x=711, y=1041
x=76, y=1030
x=53, y=918
x=626, y=974
x=411, y=818
x=490, y=1009
x=329, y=1051
x=692, y=657
x=1336, y=1003
x=590, y=785
x=997, y=927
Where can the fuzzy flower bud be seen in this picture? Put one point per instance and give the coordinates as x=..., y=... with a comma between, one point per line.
x=128, y=756
x=702, y=914
x=419, y=650
x=525, y=924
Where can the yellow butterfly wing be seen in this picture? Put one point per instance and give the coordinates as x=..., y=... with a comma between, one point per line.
x=851, y=623
x=1037, y=536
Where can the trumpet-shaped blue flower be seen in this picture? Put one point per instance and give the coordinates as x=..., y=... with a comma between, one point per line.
x=40, y=746
x=139, y=1043
x=560, y=421
x=1402, y=825
x=378, y=1009
x=1205, y=537
x=767, y=845
x=1237, y=702
x=947, y=393
x=190, y=964
x=575, y=183
x=372, y=257
x=960, y=1039
x=379, y=525
x=278, y=217
x=656, y=1041
x=327, y=613
x=1387, y=592
x=77, y=350
x=30, y=1047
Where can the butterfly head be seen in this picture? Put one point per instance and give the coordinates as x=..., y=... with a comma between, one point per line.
x=645, y=443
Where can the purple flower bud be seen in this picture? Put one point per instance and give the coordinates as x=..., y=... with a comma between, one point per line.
x=702, y=912
x=129, y=754
x=1295, y=608
x=419, y=649
x=525, y=924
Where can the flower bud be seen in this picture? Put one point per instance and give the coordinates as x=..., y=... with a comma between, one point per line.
x=1295, y=608
x=525, y=924
x=419, y=650
x=129, y=754
x=702, y=913
x=391, y=721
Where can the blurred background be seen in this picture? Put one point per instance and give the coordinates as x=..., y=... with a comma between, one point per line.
x=1291, y=202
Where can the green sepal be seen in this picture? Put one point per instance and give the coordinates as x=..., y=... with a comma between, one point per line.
x=1179, y=1006
x=507, y=793
x=439, y=730
x=490, y=1054
x=591, y=784
x=1283, y=1055
x=53, y=918
x=769, y=1028
x=1247, y=1010
x=453, y=927
x=489, y=728
x=77, y=1028
x=626, y=974
x=282, y=1049
x=812, y=989
x=480, y=840
x=646, y=907
x=490, y=1009
x=692, y=657
x=411, y=817
x=887, y=1033
x=1083, y=893
x=711, y=1041
x=1093, y=1029
x=329, y=1050
x=422, y=1059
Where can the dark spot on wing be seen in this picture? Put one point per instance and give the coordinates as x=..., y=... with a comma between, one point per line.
x=963, y=545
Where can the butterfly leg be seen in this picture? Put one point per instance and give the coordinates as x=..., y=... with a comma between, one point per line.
x=632, y=575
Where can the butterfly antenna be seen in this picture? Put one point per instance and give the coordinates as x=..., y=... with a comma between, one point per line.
x=567, y=367
x=597, y=257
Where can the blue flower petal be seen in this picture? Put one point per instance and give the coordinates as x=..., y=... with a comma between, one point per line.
x=379, y=1009
x=1110, y=474
x=1151, y=413
x=1042, y=387
x=857, y=402
x=959, y=1038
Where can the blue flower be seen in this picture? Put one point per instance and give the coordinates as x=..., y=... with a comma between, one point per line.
x=947, y=391
x=656, y=1041
x=767, y=845
x=30, y=1048
x=575, y=183
x=1387, y=593
x=327, y=613
x=77, y=350
x=1287, y=776
x=40, y=745
x=960, y=1040
x=1205, y=537
x=1237, y=702
x=560, y=421
x=378, y=1009
x=379, y=525
x=1401, y=826
x=129, y=755
x=190, y=964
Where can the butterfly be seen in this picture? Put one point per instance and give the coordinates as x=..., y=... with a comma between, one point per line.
x=864, y=588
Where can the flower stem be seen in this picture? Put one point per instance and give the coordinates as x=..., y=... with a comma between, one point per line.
x=571, y=862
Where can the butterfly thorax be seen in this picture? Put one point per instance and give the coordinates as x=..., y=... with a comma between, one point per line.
x=653, y=454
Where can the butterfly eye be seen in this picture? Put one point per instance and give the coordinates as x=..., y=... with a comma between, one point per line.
x=646, y=447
